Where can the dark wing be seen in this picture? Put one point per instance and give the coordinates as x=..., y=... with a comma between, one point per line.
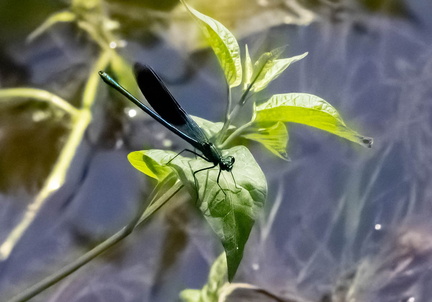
x=162, y=101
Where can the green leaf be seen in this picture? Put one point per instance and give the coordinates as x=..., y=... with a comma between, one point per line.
x=152, y=162
x=218, y=276
x=230, y=207
x=310, y=110
x=248, y=69
x=272, y=69
x=211, y=129
x=273, y=136
x=216, y=282
x=64, y=16
x=264, y=62
x=231, y=211
x=223, y=43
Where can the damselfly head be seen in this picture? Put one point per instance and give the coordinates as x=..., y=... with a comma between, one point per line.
x=227, y=163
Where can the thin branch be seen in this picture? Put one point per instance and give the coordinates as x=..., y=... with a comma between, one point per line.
x=235, y=134
x=38, y=95
x=57, y=176
x=100, y=248
x=227, y=120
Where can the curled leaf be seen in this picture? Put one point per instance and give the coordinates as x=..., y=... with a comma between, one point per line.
x=272, y=69
x=152, y=162
x=223, y=43
x=310, y=110
x=273, y=136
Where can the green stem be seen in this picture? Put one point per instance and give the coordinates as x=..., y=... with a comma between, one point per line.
x=158, y=203
x=235, y=134
x=99, y=249
x=227, y=118
x=57, y=176
x=233, y=114
x=38, y=95
x=241, y=102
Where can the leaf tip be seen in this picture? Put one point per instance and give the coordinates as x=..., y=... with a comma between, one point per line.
x=367, y=141
x=285, y=157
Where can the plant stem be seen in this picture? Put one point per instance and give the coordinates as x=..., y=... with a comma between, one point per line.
x=100, y=248
x=240, y=104
x=39, y=95
x=233, y=114
x=235, y=134
x=227, y=117
x=57, y=176
x=158, y=203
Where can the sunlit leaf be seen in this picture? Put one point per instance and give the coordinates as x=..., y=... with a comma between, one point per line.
x=223, y=43
x=152, y=162
x=264, y=62
x=310, y=110
x=273, y=136
x=64, y=16
x=272, y=69
x=217, y=280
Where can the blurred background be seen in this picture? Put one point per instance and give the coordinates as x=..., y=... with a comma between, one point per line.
x=342, y=223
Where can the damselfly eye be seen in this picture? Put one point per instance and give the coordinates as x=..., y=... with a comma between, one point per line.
x=227, y=163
